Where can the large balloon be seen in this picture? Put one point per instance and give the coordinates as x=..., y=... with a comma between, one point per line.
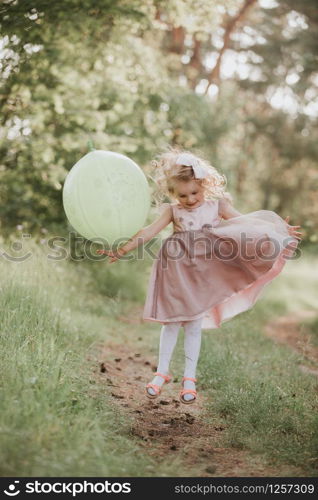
x=106, y=195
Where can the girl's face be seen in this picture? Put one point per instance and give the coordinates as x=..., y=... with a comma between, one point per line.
x=190, y=194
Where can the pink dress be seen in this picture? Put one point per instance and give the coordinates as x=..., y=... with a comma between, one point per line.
x=215, y=268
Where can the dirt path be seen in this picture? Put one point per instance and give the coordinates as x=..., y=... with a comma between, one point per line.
x=168, y=429
x=289, y=331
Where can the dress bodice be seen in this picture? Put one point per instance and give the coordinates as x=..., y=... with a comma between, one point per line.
x=203, y=217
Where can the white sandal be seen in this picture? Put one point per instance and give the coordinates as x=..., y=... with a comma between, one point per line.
x=157, y=388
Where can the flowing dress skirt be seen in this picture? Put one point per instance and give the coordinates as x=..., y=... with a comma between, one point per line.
x=217, y=272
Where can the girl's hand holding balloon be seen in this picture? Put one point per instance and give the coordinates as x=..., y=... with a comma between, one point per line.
x=113, y=256
x=292, y=229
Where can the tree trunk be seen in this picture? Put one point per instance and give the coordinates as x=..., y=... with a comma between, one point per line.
x=230, y=25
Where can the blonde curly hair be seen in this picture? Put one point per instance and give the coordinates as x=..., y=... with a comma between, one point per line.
x=167, y=172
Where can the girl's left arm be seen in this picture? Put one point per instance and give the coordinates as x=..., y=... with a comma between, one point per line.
x=226, y=209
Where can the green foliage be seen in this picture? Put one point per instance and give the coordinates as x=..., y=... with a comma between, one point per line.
x=131, y=75
x=52, y=103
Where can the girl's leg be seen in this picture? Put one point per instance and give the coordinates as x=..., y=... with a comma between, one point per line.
x=192, y=346
x=168, y=340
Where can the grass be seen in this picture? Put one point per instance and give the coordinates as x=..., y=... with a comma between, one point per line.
x=57, y=419
x=313, y=328
x=266, y=403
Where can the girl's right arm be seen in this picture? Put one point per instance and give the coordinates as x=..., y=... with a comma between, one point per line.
x=145, y=234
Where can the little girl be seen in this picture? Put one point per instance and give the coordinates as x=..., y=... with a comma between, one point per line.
x=213, y=266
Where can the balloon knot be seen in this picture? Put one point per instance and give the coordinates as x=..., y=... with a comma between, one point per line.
x=90, y=145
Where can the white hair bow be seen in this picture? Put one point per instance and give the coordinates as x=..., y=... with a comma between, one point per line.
x=190, y=160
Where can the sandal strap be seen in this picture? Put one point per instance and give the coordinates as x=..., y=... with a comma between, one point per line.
x=189, y=378
x=155, y=387
x=188, y=391
x=167, y=378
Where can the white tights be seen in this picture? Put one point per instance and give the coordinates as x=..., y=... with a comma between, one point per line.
x=192, y=345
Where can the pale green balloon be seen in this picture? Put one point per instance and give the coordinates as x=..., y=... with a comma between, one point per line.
x=106, y=195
